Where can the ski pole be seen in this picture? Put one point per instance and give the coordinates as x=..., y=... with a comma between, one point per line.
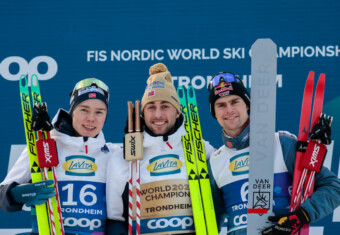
x=138, y=130
x=133, y=150
x=315, y=157
x=48, y=158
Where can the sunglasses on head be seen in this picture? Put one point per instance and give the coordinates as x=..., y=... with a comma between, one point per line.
x=223, y=77
x=89, y=82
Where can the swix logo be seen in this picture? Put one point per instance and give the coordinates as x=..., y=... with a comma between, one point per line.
x=47, y=152
x=315, y=155
x=28, y=68
x=133, y=145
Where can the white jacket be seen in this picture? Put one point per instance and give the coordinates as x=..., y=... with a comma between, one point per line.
x=165, y=199
x=82, y=176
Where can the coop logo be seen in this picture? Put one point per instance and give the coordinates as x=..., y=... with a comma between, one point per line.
x=179, y=223
x=83, y=223
x=240, y=220
x=7, y=67
x=165, y=165
x=80, y=166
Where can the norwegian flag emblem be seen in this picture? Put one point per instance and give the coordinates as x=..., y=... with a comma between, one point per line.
x=92, y=95
x=151, y=93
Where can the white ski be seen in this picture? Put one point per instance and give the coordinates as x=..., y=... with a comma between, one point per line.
x=262, y=129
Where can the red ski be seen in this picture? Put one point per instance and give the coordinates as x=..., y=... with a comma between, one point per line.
x=302, y=188
x=302, y=140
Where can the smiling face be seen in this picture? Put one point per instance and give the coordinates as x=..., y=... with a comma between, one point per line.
x=160, y=116
x=89, y=117
x=232, y=114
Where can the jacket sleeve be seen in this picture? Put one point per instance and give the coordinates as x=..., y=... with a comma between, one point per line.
x=19, y=174
x=326, y=195
x=209, y=149
x=6, y=202
x=217, y=198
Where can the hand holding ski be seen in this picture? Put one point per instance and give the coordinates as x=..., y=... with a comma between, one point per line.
x=287, y=224
x=49, y=221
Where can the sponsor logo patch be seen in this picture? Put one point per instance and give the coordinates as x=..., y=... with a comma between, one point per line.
x=80, y=166
x=239, y=164
x=164, y=165
x=90, y=89
x=223, y=89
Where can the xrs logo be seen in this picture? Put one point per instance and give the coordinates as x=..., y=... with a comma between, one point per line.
x=28, y=68
x=239, y=220
x=174, y=222
x=82, y=222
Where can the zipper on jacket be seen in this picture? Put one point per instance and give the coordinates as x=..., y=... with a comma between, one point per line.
x=167, y=143
x=86, y=145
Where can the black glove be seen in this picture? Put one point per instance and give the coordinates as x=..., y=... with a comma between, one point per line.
x=322, y=130
x=287, y=224
x=40, y=118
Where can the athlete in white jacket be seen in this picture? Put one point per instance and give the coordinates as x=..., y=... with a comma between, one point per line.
x=82, y=171
x=165, y=197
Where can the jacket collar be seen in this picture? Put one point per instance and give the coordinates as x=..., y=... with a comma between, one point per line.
x=239, y=142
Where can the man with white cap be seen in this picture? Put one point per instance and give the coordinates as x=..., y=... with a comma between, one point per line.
x=165, y=196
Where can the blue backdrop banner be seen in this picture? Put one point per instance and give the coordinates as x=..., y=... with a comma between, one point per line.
x=117, y=41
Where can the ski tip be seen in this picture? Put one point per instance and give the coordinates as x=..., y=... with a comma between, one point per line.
x=34, y=80
x=23, y=80
x=322, y=76
x=180, y=92
x=191, y=92
x=264, y=41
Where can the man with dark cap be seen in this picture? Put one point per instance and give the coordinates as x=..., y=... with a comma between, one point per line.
x=82, y=172
x=230, y=104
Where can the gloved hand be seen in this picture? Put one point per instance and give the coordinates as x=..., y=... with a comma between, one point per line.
x=40, y=118
x=33, y=194
x=287, y=224
x=322, y=130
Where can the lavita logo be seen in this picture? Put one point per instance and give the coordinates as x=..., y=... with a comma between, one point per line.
x=28, y=68
x=80, y=165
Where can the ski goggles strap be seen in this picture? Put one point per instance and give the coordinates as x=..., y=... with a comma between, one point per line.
x=90, y=82
x=223, y=77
